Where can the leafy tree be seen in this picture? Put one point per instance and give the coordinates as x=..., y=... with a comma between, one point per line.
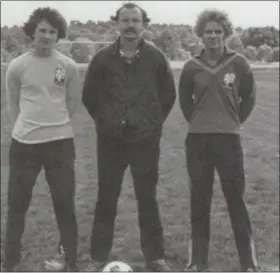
x=5, y=56
x=148, y=35
x=234, y=43
x=11, y=44
x=264, y=53
x=81, y=51
x=257, y=36
x=275, y=54
x=193, y=45
x=250, y=53
x=176, y=41
x=238, y=30
x=65, y=47
x=165, y=40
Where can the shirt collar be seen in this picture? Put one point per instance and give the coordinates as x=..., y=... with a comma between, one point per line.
x=123, y=55
x=227, y=52
x=115, y=47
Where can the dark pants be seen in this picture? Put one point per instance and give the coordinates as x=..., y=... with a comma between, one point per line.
x=114, y=156
x=204, y=153
x=26, y=161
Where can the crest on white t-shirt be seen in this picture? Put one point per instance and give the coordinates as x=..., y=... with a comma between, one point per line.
x=229, y=79
x=59, y=76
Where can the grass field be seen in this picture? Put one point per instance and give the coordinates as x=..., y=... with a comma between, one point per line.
x=260, y=138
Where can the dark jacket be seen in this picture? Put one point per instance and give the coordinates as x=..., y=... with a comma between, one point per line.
x=219, y=99
x=129, y=99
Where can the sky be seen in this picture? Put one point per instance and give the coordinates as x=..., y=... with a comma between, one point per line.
x=242, y=13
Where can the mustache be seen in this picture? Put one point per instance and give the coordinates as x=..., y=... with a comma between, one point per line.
x=130, y=29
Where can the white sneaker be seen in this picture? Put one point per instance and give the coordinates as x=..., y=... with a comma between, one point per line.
x=57, y=263
x=159, y=265
x=194, y=268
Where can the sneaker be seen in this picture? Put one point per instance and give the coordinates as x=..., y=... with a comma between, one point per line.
x=252, y=269
x=8, y=268
x=57, y=263
x=95, y=266
x=159, y=266
x=194, y=268
x=71, y=268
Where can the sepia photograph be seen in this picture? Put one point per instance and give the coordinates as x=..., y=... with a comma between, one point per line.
x=140, y=136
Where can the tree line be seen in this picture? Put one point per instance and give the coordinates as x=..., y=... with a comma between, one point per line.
x=178, y=42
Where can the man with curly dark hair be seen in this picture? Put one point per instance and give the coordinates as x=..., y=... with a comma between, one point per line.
x=129, y=91
x=42, y=87
x=217, y=95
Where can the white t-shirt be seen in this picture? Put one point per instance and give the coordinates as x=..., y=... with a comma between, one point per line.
x=41, y=96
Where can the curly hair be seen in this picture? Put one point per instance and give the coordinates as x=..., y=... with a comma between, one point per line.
x=52, y=16
x=213, y=15
x=131, y=5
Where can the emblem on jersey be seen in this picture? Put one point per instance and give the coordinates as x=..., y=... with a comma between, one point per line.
x=229, y=79
x=59, y=76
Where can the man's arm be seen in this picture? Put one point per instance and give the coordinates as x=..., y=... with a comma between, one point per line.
x=247, y=93
x=12, y=93
x=73, y=90
x=92, y=85
x=186, y=92
x=167, y=89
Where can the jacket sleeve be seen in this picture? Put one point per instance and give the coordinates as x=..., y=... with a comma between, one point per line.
x=167, y=89
x=186, y=92
x=93, y=84
x=247, y=93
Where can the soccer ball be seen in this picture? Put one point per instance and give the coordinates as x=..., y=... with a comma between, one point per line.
x=117, y=267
